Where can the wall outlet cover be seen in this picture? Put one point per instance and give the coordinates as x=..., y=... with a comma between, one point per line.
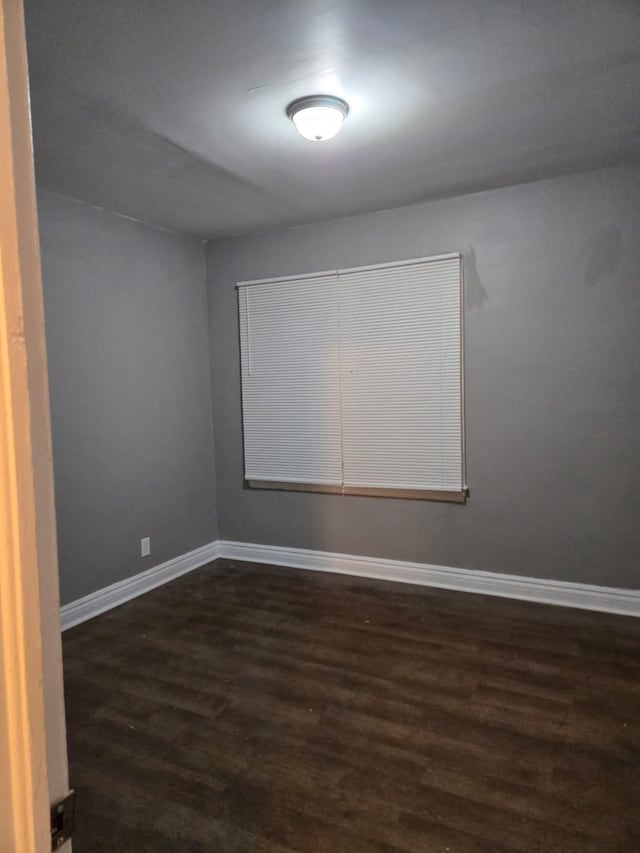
x=145, y=546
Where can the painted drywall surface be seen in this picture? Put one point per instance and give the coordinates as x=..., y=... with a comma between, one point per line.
x=129, y=377
x=552, y=403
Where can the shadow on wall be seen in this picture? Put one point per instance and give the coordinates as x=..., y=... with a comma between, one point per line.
x=603, y=255
x=475, y=293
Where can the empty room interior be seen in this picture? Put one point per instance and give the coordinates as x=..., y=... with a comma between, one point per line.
x=342, y=314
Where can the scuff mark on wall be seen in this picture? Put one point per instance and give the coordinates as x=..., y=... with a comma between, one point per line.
x=603, y=255
x=475, y=293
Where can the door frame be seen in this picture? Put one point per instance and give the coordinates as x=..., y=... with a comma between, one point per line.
x=33, y=756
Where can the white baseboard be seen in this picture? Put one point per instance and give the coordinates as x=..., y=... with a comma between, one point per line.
x=563, y=593
x=117, y=593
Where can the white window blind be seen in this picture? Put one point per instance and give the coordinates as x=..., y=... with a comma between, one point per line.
x=353, y=379
x=291, y=381
x=401, y=376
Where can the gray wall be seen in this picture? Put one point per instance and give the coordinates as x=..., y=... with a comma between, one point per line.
x=552, y=372
x=130, y=392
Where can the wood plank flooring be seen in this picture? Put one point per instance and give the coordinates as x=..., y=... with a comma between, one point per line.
x=250, y=708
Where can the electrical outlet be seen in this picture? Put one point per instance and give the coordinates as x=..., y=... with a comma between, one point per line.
x=145, y=546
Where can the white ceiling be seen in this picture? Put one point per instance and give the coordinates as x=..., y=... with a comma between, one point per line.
x=173, y=112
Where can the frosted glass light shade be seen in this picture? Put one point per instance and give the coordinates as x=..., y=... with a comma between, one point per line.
x=318, y=123
x=318, y=117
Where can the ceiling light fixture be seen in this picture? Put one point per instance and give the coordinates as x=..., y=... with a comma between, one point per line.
x=318, y=117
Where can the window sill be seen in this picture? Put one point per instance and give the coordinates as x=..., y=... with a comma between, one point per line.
x=404, y=494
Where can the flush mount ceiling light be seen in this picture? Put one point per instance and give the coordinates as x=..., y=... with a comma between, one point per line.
x=318, y=117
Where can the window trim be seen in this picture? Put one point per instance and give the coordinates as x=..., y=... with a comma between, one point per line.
x=408, y=262
x=442, y=496
x=362, y=491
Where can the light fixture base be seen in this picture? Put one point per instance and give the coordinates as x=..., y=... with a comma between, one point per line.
x=308, y=101
x=318, y=117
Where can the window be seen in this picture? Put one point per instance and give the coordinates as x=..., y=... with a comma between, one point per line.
x=352, y=380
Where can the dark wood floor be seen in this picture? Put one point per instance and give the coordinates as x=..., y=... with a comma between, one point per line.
x=248, y=708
